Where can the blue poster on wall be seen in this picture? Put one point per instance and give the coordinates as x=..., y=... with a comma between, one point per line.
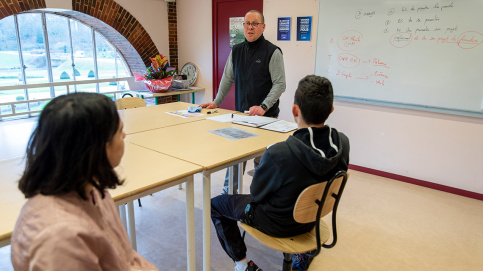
x=304, y=27
x=283, y=32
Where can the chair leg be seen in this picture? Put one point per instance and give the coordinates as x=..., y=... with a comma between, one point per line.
x=139, y=202
x=287, y=262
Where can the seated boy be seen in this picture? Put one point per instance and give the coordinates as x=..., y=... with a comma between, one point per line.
x=315, y=153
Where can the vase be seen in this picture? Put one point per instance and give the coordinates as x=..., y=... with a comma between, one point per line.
x=158, y=85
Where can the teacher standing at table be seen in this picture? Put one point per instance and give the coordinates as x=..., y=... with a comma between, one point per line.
x=256, y=67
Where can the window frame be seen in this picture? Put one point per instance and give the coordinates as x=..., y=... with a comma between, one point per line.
x=117, y=56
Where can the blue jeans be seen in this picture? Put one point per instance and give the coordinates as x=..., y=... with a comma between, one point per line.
x=226, y=210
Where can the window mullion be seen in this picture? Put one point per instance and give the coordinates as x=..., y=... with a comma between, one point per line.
x=116, y=53
x=72, y=54
x=20, y=55
x=96, y=73
x=47, y=54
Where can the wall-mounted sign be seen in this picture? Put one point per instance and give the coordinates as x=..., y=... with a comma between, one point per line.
x=236, y=31
x=304, y=28
x=283, y=32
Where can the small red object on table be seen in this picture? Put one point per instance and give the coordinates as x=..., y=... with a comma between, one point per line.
x=158, y=85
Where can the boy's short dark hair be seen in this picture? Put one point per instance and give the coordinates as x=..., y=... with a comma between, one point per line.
x=315, y=97
x=67, y=149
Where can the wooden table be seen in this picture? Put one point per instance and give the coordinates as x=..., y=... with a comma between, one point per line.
x=136, y=169
x=146, y=172
x=194, y=143
x=153, y=117
x=147, y=94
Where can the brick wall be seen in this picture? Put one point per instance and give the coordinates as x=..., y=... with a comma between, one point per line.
x=173, y=34
x=10, y=7
x=115, y=23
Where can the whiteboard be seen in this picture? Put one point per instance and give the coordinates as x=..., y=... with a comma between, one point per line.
x=425, y=55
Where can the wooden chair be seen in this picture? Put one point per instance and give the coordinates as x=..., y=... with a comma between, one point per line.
x=315, y=202
x=130, y=102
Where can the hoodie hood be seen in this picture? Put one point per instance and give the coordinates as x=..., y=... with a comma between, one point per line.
x=318, y=149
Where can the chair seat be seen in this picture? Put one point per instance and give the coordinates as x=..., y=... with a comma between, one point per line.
x=294, y=245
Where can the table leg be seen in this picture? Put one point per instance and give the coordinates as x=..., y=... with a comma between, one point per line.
x=230, y=183
x=190, y=225
x=206, y=221
x=156, y=100
x=132, y=227
x=193, y=98
x=240, y=178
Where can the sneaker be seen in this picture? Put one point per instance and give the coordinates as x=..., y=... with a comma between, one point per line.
x=251, y=172
x=301, y=261
x=252, y=267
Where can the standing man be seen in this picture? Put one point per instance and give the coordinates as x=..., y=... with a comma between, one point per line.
x=256, y=67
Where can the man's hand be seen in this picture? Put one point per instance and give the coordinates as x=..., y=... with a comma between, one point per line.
x=209, y=105
x=257, y=111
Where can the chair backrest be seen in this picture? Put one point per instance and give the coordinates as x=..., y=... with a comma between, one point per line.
x=326, y=193
x=129, y=102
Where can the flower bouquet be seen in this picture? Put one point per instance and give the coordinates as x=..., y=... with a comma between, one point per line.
x=159, y=75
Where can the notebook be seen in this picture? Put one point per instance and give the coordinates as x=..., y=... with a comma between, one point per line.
x=253, y=121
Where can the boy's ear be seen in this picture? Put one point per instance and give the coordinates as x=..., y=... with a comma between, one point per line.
x=332, y=109
x=295, y=110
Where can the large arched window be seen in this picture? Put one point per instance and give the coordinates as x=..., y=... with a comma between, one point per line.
x=39, y=48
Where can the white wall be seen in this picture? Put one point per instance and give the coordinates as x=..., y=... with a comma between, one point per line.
x=195, y=43
x=298, y=55
x=438, y=148
x=153, y=16
x=62, y=4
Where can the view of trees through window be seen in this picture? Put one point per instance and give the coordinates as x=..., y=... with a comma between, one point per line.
x=47, y=48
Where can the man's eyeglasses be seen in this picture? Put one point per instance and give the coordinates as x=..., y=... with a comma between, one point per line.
x=251, y=24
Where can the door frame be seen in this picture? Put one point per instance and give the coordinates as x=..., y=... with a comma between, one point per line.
x=214, y=25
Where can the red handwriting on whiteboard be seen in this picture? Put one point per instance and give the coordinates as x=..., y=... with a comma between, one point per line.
x=467, y=40
x=344, y=74
x=447, y=39
x=348, y=60
x=349, y=40
x=376, y=73
x=378, y=63
x=470, y=39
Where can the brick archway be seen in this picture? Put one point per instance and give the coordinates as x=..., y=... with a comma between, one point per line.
x=111, y=20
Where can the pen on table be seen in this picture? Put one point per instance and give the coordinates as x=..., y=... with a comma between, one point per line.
x=231, y=116
x=214, y=111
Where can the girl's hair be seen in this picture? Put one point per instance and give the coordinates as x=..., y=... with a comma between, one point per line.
x=67, y=149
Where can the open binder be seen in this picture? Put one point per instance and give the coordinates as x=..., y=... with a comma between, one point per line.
x=272, y=124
